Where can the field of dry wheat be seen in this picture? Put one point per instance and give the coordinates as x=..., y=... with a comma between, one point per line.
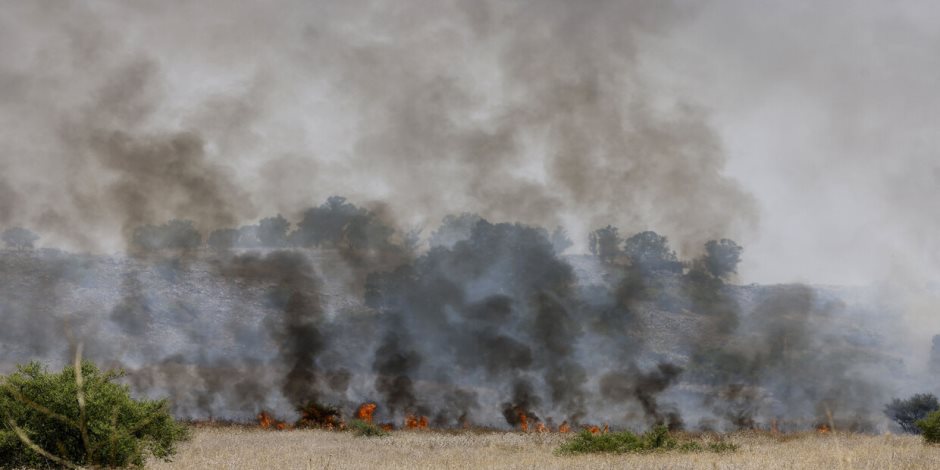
x=248, y=448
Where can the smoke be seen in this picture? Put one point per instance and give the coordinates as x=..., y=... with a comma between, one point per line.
x=550, y=119
x=493, y=327
x=644, y=387
x=517, y=115
x=7, y=198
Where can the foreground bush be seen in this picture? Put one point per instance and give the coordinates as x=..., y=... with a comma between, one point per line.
x=44, y=425
x=930, y=427
x=907, y=412
x=364, y=429
x=657, y=439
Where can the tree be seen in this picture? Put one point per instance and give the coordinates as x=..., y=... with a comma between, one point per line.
x=650, y=251
x=453, y=229
x=175, y=234
x=248, y=237
x=605, y=243
x=272, y=231
x=19, y=238
x=364, y=233
x=324, y=224
x=80, y=417
x=223, y=239
x=560, y=240
x=907, y=412
x=722, y=257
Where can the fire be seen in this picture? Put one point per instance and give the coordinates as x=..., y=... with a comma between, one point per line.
x=564, y=428
x=540, y=428
x=822, y=429
x=266, y=421
x=523, y=421
x=416, y=422
x=593, y=429
x=606, y=428
x=387, y=426
x=365, y=412
x=315, y=415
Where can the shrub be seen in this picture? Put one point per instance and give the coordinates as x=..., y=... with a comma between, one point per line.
x=44, y=425
x=907, y=412
x=656, y=439
x=930, y=427
x=315, y=415
x=364, y=429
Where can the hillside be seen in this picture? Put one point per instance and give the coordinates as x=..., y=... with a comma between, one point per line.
x=197, y=327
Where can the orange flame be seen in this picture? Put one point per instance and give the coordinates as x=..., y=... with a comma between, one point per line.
x=823, y=429
x=593, y=429
x=365, y=412
x=416, y=422
x=523, y=421
x=387, y=426
x=266, y=421
x=564, y=428
x=540, y=428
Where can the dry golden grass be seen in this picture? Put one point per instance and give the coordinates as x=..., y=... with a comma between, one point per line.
x=247, y=448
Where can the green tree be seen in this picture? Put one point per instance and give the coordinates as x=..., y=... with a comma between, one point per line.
x=908, y=412
x=80, y=417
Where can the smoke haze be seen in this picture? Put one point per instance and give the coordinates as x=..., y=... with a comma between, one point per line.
x=196, y=144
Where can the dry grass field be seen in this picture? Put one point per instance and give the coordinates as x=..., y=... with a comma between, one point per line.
x=248, y=448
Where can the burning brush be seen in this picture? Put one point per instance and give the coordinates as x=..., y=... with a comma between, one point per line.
x=416, y=422
x=266, y=421
x=365, y=412
x=318, y=416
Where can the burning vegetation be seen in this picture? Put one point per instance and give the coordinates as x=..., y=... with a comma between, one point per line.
x=492, y=320
x=365, y=411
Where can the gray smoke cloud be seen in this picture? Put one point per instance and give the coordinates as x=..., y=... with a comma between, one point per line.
x=522, y=111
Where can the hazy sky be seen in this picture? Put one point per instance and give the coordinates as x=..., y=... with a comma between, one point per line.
x=828, y=115
x=804, y=130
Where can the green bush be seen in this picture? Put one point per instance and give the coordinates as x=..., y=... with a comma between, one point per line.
x=656, y=439
x=112, y=429
x=907, y=412
x=930, y=427
x=364, y=429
